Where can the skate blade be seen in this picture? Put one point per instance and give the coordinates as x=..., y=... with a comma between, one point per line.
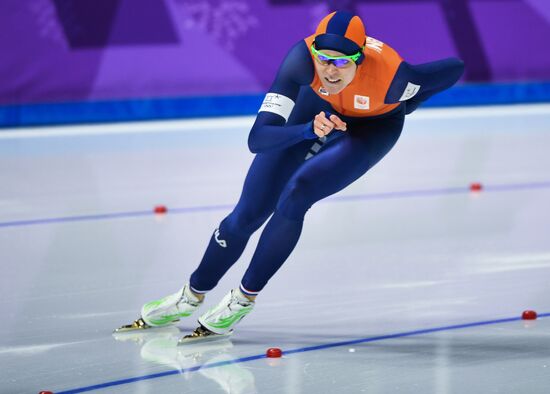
x=202, y=335
x=187, y=341
x=136, y=325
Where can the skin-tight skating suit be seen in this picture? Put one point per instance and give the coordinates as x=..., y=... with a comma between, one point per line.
x=294, y=168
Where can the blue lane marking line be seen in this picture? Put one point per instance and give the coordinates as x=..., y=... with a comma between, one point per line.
x=293, y=351
x=223, y=207
x=442, y=191
x=115, y=215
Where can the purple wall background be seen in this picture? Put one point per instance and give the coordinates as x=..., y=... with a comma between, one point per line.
x=85, y=50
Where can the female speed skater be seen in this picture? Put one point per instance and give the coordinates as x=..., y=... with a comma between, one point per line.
x=336, y=108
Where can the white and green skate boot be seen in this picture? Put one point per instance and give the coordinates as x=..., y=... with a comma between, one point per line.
x=165, y=311
x=219, y=321
x=222, y=318
x=170, y=309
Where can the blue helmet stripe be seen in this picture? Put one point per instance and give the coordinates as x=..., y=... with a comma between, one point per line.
x=338, y=24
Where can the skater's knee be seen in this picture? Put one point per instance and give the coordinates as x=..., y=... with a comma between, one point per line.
x=243, y=223
x=296, y=199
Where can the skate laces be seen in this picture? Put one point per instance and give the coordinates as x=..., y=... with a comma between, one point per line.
x=238, y=298
x=186, y=298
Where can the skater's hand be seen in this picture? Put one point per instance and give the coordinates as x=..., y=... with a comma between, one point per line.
x=323, y=126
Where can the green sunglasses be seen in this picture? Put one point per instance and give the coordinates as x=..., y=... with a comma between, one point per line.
x=338, y=61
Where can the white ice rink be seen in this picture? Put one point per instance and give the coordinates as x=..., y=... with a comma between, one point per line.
x=406, y=282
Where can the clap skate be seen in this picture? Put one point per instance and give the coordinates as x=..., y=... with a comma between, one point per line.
x=137, y=324
x=166, y=311
x=140, y=337
x=219, y=321
x=202, y=334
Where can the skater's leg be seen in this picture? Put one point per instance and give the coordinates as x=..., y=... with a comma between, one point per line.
x=330, y=171
x=264, y=182
x=347, y=159
x=257, y=202
x=266, y=178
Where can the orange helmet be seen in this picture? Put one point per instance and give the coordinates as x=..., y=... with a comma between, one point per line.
x=341, y=31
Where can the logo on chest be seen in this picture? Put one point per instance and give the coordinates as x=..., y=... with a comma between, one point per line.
x=323, y=91
x=361, y=102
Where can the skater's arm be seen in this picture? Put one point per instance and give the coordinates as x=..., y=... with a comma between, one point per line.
x=270, y=131
x=415, y=84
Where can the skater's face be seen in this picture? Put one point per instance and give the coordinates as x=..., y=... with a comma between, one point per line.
x=335, y=79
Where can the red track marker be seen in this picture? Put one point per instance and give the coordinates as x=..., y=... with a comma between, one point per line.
x=274, y=352
x=160, y=209
x=476, y=187
x=529, y=315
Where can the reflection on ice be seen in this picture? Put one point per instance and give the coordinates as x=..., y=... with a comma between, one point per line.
x=210, y=359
